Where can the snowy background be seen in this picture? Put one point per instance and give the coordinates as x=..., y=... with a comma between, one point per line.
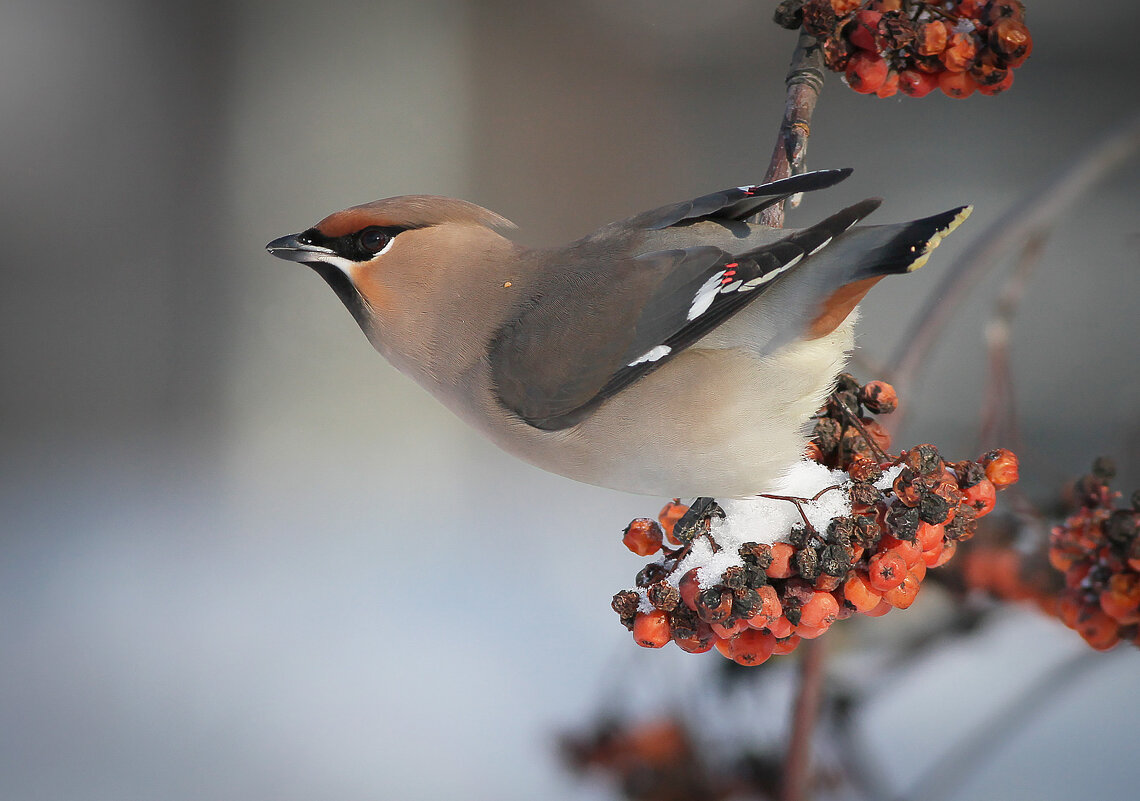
x=243, y=558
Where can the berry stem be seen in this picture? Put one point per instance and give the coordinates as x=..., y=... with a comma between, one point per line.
x=858, y=425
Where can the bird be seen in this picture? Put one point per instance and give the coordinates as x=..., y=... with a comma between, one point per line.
x=678, y=353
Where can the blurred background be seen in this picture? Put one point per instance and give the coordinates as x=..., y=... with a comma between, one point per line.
x=245, y=558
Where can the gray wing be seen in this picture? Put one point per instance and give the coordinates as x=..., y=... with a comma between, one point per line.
x=588, y=332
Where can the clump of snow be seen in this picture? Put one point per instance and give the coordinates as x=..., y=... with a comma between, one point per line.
x=768, y=520
x=889, y=476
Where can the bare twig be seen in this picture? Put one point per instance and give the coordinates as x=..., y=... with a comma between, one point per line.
x=999, y=415
x=804, y=82
x=797, y=763
x=1031, y=217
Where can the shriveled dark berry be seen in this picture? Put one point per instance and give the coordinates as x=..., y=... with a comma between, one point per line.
x=756, y=553
x=798, y=536
x=746, y=602
x=964, y=524
x=663, y=595
x=625, y=603
x=840, y=530
x=969, y=473
x=714, y=605
x=789, y=14
x=684, y=622
x=806, y=561
x=826, y=434
x=733, y=577
x=924, y=460
x=867, y=531
x=1121, y=527
x=903, y=522
x=933, y=508
x=866, y=495
x=696, y=520
x=650, y=574
x=754, y=576
x=835, y=560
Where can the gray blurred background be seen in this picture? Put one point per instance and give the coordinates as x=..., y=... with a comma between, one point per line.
x=243, y=558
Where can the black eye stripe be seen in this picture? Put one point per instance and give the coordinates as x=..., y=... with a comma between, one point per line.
x=351, y=246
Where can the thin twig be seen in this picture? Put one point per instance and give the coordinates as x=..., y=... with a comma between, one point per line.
x=1036, y=213
x=804, y=82
x=797, y=763
x=999, y=415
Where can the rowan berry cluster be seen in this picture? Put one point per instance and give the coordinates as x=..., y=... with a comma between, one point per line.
x=914, y=47
x=899, y=516
x=1097, y=553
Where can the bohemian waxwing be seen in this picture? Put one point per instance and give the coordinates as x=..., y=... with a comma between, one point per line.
x=679, y=352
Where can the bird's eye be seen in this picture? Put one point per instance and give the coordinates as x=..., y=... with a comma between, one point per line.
x=374, y=240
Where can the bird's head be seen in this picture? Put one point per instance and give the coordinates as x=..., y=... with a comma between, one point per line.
x=387, y=258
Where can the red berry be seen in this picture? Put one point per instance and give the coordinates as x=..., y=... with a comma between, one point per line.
x=643, y=536
x=865, y=28
x=651, y=629
x=938, y=557
x=890, y=87
x=917, y=84
x=932, y=37
x=752, y=647
x=904, y=594
x=781, y=567
x=886, y=570
x=690, y=588
x=957, y=84
x=811, y=632
x=728, y=632
x=883, y=607
x=819, y=610
x=1001, y=467
x=1000, y=86
x=701, y=641
x=982, y=496
x=930, y=536
x=860, y=594
x=786, y=645
x=781, y=627
x=669, y=515
x=866, y=72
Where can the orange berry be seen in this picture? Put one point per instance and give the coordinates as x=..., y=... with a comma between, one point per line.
x=781, y=567
x=904, y=594
x=669, y=515
x=1120, y=600
x=643, y=536
x=982, y=497
x=811, y=632
x=1012, y=40
x=909, y=551
x=999, y=87
x=972, y=9
x=701, y=642
x=930, y=536
x=770, y=607
x=886, y=570
x=864, y=29
x=728, y=632
x=781, y=627
x=842, y=7
x=752, y=647
x=959, y=53
x=881, y=609
x=1001, y=467
x=651, y=629
x=879, y=397
x=918, y=570
x=1099, y=630
x=786, y=645
x=890, y=87
x=819, y=610
x=956, y=84
x=939, y=557
x=932, y=37
x=917, y=84
x=860, y=594
x=690, y=588
x=866, y=72
x=723, y=647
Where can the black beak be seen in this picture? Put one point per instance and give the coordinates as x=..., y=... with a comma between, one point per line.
x=291, y=248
